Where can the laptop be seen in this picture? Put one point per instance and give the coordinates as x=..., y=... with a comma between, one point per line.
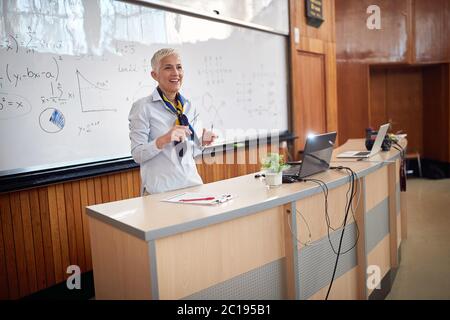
x=375, y=149
x=316, y=157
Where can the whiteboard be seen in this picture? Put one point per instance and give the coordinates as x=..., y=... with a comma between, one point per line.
x=71, y=69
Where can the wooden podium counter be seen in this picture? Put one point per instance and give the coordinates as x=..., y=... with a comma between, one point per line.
x=267, y=243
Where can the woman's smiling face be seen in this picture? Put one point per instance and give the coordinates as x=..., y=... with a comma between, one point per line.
x=169, y=75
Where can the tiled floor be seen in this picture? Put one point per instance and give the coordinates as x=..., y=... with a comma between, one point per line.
x=424, y=271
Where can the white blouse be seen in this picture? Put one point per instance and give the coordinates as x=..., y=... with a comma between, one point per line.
x=162, y=169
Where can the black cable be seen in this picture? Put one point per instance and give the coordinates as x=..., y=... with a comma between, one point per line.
x=400, y=148
x=350, y=195
x=324, y=188
x=347, y=209
x=353, y=177
x=325, y=191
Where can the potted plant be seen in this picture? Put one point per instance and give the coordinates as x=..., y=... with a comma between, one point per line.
x=273, y=166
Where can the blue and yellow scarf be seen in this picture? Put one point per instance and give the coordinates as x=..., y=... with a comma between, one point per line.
x=177, y=109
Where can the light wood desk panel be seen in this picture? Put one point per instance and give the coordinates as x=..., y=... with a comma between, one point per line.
x=198, y=259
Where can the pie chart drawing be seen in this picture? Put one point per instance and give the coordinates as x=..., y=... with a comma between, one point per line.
x=52, y=120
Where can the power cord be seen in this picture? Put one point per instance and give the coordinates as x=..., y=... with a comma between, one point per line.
x=349, y=202
x=402, y=172
x=348, y=208
x=308, y=242
x=325, y=191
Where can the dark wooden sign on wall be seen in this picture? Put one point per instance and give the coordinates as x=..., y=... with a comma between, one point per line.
x=314, y=13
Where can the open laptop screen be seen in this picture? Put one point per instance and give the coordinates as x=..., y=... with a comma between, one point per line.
x=317, y=154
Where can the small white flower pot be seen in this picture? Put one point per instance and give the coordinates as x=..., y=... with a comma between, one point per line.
x=274, y=179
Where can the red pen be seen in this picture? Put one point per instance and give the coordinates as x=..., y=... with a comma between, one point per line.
x=198, y=199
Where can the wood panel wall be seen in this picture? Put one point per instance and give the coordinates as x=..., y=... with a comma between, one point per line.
x=310, y=96
x=431, y=31
x=353, y=86
x=313, y=74
x=355, y=42
x=44, y=230
x=436, y=120
x=413, y=33
x=396, y=96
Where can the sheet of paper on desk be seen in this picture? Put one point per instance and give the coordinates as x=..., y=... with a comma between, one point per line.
x=198, y=198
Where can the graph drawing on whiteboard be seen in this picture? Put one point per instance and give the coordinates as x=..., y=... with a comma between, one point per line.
x=92, y=96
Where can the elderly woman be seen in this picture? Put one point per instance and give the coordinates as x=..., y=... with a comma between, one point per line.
x=163, y=140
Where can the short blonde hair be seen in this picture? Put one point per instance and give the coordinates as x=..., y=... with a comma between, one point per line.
x=161, y=54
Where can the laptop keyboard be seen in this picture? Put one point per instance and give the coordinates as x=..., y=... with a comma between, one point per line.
x=362, y=153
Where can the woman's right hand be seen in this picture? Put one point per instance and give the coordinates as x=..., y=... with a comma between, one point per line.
x=176, y=133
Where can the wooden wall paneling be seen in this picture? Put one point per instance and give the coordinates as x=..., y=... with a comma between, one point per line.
x=90, y=185
x=377, y=100
x=56, y=237
x=84, y=201
x=4, y=290
x=199, y=168
x=41, y=281
x=63, y=234
x=118, y=186
x=130, y=184
x=353, y=100
x=327, y=30
x=436, y=120
x=136, y=183
x=357, y=43
x=313, y=76
x=208, y=169
x=248, y=166
x=91, y=201
x=431, y=41
x=405, y=104
x=98, y=190
x=28, y=240
x=78, y=219
x=111, y=187
x=212, y=171
x=8, y=241
x=220, y=171
x=70, y=220
x=231, y=168
x=203, y=172
x=124, y=185
x=105, y=189
x=447, y=28
x=241, y=161
x=309, y=92
x=331, y=87
x=312, y=46
x=19, y=245
x=47, y=235
x=411, y=18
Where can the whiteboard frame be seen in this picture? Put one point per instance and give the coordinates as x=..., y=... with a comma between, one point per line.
x=157, y=4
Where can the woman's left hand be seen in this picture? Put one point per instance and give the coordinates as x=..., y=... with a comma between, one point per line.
x=208, y=137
